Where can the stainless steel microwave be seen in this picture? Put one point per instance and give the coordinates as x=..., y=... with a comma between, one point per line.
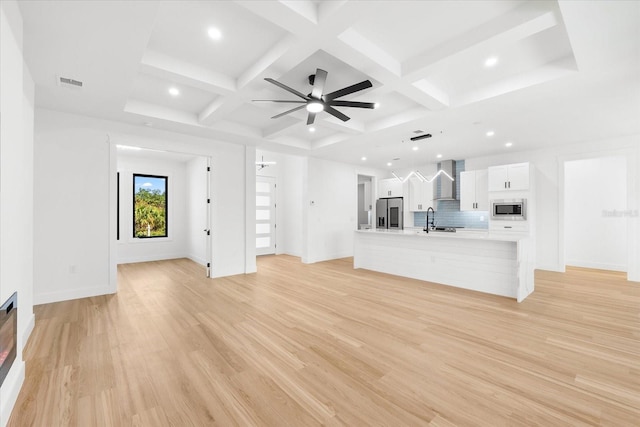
x=509, y=209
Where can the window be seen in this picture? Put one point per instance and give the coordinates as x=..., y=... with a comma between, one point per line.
x=149, y=206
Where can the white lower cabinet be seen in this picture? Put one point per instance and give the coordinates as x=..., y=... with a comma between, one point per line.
x=474, y=191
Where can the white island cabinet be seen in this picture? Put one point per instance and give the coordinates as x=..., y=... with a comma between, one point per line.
x=494, y=263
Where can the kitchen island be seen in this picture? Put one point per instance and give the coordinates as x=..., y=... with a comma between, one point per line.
x=491, y=262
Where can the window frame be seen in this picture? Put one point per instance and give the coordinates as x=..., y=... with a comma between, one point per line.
x=166, y=205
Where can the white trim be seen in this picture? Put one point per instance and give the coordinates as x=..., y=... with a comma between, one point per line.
x=596, y=265
x=31, y=323
x=71, y=294
x=197, y=260
x=10, y=389
x=148, y=258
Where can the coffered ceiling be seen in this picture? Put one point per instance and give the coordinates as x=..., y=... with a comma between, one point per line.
x=564, y=72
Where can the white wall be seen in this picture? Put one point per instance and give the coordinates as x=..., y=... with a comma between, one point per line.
x=329, y=205
x=549, y=178
x=16, y=191
x=175, y=245
x=196, y=205
x=71, y=242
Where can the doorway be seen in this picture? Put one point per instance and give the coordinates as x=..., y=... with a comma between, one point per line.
x=595, y=213
x=265, y=215
x=184, y=226
x=365, y=202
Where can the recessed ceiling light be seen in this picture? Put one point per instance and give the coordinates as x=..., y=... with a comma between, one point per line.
x=490, y=62
x=388, y=163
x=363, y=158
x=490, y=133
x=214, y=33
x=312, y=129
x=439, y=156
x=173, y=91
x=415, y=148
x=508, y=144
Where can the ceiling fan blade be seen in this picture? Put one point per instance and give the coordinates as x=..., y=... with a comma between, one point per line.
x=311, y=118
x=318, y=83
x=347, y=90
x=278, y=100
x=352, y=104
x=336, y=113
x=288, y=111
x=287, y=88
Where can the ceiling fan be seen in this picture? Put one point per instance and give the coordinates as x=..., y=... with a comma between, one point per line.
x=262, y=164
x=317, y=101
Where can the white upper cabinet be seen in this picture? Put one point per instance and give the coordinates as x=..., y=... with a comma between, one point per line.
x=509, y=177
x=389, y=188
x=474, y=191
x=420, y=195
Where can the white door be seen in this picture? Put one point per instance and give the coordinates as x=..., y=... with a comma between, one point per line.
x=265, y=215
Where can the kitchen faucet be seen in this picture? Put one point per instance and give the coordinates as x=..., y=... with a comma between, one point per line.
x=433, y=217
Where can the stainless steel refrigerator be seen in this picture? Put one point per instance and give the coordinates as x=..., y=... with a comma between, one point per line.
x=389, y=213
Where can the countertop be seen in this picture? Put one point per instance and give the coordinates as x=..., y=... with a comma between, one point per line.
x=472, y=234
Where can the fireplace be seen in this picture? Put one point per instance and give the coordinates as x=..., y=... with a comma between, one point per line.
x=8, y=335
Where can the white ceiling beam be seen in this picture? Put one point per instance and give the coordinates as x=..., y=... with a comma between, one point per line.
x=547, y=72
x=256, y=70
x=397, y=120
x=330, y=140
x=279, y=14
x=505, y=30
x=167, y=67
x=219, y=109
x=305, y=8
x=280, y=127
x=156, y=111
x=351, y=126
x=366, y=47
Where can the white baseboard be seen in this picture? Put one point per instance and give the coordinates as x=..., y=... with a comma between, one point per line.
x=197, y=260
x=69, y=294
x=596, y=265
x=10, y=389
x=28, y=329
x=147, y=258
x=328, y=257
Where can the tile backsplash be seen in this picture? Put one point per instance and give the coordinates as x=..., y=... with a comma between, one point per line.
x=448, y=212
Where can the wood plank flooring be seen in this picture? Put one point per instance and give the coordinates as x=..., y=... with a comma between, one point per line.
x=324, y=344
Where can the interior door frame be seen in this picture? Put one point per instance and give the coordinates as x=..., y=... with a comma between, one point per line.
x=273, y=215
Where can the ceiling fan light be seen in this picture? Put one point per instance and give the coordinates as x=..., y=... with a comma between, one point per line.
x=315, y=107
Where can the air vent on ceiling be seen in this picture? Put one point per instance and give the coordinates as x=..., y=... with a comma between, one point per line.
x=69, y=83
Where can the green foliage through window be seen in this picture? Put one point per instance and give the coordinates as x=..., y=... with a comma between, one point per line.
x=149, y=206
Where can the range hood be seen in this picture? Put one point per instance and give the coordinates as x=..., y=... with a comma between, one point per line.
x=446, y=185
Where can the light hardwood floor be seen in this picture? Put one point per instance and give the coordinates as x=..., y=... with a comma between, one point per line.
x=323, y=344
